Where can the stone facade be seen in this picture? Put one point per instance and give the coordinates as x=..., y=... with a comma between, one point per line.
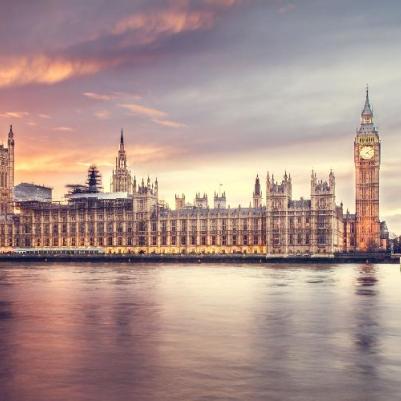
x=306, y=226
x=367, y=167
x=132, y=218
x=7, y=174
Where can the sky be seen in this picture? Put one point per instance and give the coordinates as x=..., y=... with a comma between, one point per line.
x=209, y=92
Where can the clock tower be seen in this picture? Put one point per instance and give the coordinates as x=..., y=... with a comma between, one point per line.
x=367, y=167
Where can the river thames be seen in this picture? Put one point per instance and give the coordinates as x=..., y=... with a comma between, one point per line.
x=200, y=332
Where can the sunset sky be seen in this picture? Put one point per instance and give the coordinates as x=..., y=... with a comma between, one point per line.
x=208, y=92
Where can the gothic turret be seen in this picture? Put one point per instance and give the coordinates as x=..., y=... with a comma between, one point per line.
x=367, y=125
x=367, y=154
x=11, y=161
x=219, y=200
x=257, y=193
x=121, y=179
x=179, y=202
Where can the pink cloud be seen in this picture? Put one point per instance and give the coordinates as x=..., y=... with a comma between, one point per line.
x=169, y=123
x=14, y=114
x=144, y=111
x=152, y=25
x=97, y=96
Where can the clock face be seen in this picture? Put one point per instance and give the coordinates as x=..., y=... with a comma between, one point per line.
x=367, y=152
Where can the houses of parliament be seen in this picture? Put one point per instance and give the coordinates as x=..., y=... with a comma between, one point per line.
x=132, y=219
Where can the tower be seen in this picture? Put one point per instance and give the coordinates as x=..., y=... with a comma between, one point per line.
x=121, y=179
x=278, y=197
x=7, y=174
x=257, y=194
x=323, y=215
x=179, y=202
x=219, y=200
x=10, y=144
x=367, y=168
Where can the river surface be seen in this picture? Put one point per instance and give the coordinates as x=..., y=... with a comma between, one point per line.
x=102, y=332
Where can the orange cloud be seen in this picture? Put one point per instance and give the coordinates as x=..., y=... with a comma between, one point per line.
x=43, y=69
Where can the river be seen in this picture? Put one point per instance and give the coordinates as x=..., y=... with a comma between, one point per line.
x=207, y=332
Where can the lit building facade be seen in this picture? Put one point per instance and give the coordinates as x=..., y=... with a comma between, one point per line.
x=367, y=168
x=7, y=174
x=132, y=218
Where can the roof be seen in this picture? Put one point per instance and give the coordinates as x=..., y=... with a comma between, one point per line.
x=215, y=212
x=367, y=110
x=32, y=185
x=100, y=195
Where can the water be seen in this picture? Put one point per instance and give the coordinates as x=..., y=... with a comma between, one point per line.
x=200, y=332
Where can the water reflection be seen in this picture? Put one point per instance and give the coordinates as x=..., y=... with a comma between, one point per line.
x=366, y=280
x=367, y=330
x=215, y=332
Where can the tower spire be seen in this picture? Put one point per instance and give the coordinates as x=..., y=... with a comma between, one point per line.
x=367, y=113
x=122, y=139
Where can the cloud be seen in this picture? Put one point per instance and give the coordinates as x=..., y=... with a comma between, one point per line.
x=126, y=42
x=144, y=111
x=287, y=8
x=44, y=69
x=157, y=116
x=46, y=116
x=64, y=129
x=102, y=114
x=169, y=123
x=223, y=3
x=14, y=114
x=150, y=26
x=97, y=96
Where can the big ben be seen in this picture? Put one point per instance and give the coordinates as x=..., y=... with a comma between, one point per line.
x=367, y=170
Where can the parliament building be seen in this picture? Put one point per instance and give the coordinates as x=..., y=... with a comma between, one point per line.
x=132, y=219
